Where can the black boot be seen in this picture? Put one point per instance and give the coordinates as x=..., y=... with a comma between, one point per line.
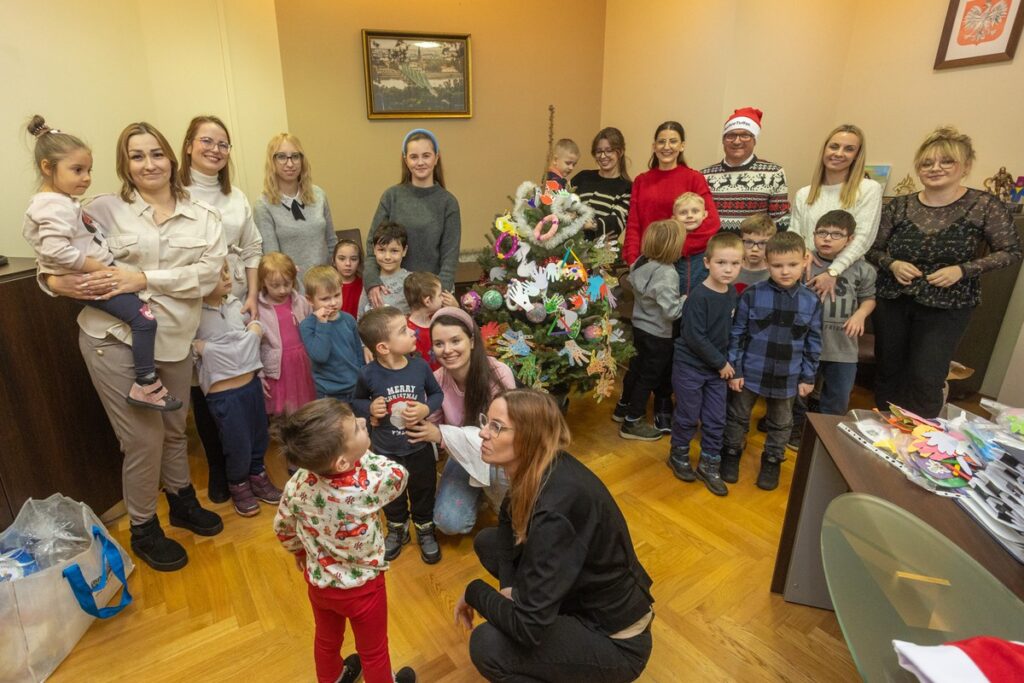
x=430, y=551
x=708, y=472
x=679, y=461
x=768, y=477
x=155, y=549
x=187, y=513
x=730, y=466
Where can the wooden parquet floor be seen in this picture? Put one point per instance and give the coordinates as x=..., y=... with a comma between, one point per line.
x=238, y=611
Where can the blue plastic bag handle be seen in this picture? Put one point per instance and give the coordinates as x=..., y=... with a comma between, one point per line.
x=84, y=594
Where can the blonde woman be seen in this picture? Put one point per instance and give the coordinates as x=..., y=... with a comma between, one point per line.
x=839, y=183
x=292, y=214
x=574, y=602
x=929, y=271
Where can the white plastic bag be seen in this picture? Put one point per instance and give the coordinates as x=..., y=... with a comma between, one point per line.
x=45, y=610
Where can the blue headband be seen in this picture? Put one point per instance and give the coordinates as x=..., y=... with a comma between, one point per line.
x=424, y=131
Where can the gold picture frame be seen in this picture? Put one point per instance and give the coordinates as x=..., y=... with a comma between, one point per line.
x=417, y=75
x=979, y=32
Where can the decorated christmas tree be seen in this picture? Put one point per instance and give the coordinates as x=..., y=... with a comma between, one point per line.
x=545, y=306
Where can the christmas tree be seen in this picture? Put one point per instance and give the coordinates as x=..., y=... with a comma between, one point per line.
x=545, y=306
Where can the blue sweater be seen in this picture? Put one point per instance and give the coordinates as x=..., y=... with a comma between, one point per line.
x=414, y=382
x=335, y=353
x=704, y=333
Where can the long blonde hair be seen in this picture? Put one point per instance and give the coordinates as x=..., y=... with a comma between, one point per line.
x=270, y=189
x=539, y=433
x=848, y=194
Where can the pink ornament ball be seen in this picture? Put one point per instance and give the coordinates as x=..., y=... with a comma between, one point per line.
x=591, y=332
x=471, y=302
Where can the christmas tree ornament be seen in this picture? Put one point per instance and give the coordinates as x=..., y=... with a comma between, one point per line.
x=493, y=300
x=538, y=231
x=536, y=315
x=591, y=332
x=574, y=353
x=471, y=302
x=506, y=245
x=554, y=302
x=498, y=273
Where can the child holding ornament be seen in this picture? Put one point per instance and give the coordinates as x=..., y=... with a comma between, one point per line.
x=656, y=306
x=565, y=154
x=330, y=336
x=347, y=260
x=393, y=391
x=425, y=297
x=390, y=245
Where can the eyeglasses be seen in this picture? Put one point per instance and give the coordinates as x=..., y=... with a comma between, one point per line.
x=733, y=137
x=283, y=158
x=830, y=234
x=210, y=143
x=751, y=244
x=604, y=153
x=944, y=164
x=493, y=426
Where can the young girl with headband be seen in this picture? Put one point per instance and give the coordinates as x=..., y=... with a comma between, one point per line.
x=429, y=212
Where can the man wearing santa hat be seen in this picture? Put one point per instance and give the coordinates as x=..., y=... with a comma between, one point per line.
x=741, y=183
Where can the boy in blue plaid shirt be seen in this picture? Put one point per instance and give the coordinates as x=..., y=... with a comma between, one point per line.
x=774, y=347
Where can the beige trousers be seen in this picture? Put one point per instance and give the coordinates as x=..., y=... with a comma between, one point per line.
x=154, y=443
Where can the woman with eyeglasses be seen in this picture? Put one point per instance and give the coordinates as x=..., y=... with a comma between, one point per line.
x=929, y=271
x=422, y=204
x=606, y=189
x=574, y=602
x=839, y=183
x=206, y=173
x=292, y=214
x=470, y=379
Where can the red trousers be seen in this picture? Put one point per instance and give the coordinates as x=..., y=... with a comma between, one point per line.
x=367, y=608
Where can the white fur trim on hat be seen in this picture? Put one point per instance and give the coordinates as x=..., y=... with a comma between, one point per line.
x=746, y=118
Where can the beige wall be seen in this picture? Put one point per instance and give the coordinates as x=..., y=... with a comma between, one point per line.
x=525, y=55
x=105, y=64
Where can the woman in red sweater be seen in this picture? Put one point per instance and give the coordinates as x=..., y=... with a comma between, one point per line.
x=656, y=190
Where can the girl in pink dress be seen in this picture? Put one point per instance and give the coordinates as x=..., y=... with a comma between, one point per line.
x=287, y=376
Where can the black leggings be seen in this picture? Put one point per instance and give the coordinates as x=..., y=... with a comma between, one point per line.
x=420, y=491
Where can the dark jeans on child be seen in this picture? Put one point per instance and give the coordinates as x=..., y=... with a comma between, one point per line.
x=836, y=381
x=130, y=309
x=366, y=607
x=700, y=397
x=209, y=436
x=651, y=368
x=914, y=345
x=779, y=419
x=241, y=416
x=571, y=651
x=419, y=492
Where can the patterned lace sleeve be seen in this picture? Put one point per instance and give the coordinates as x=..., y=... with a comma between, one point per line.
x=878, y=254
x=1001, y=235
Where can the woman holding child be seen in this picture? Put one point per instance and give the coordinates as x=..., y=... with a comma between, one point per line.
x=839, y=183
x=170, y=248
x=470, y=379
x=929, y=271
x=426, y=209
x=574, y=602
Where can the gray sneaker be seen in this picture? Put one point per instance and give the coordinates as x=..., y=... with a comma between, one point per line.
x=430, y=551
x=640, y=430
x=398, y=535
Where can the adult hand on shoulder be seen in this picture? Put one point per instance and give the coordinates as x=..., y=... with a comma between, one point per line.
x=824, y=285
x=904, y=272
x=251, y=306
x=423, y=432
x=946, y=277
x=376, y=295
x=464, y=614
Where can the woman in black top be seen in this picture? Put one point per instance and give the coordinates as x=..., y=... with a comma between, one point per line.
x=608, y=188
x=574, y=603
x=929, y=271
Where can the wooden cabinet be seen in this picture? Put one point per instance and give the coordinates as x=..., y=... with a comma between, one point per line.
x=54, y=433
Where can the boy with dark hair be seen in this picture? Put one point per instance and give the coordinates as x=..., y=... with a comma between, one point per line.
x=393, y=391
x=774, y=346
x=390, y=243
x=755, y=231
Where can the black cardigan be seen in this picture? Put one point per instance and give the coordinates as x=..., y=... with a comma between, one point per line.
x=577, y=560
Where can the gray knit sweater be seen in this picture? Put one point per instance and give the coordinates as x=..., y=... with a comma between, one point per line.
x=431, y=216
x=309, y=242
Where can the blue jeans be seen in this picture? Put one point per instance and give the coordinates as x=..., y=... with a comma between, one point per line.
x=837, y=383
x=700, y=397
x=457, y=502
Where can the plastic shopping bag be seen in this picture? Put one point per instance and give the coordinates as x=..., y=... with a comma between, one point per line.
x=56, y=564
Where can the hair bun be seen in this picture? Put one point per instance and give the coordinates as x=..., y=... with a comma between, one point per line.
x=37, y=126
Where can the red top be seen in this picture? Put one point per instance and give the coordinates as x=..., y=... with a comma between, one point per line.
x=350, y=293
x=423, y=345
x=654, y=193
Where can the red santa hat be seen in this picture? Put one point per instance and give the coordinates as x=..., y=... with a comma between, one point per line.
x=746, y=118
x=976, y=660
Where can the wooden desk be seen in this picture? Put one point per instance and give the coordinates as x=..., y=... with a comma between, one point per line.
x=829, y=464
x=55, y=434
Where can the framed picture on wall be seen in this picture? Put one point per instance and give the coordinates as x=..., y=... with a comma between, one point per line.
x=979, y=32
x=417, y=75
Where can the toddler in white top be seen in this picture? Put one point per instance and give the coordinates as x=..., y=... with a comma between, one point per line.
x=67, y=241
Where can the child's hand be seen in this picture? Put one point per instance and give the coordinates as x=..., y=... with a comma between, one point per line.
x=415, y=411
x=378, y=408
x=322, y=314
x=736, y=384
x=448, y=299
x=727, y=372
x=854, y=325
x=300, y=563
x=804, y=389
x=266, y=387
x=255, y=328
x=199, y=345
